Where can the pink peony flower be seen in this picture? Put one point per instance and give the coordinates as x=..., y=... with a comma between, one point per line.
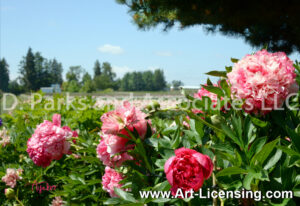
x=110, y=180
x=74, y=133
x=187, y=170
x=263, y=80
x=57, y=201
x=126, y=115
x=204, y=93
x=49, y=142
x=115, y=144
x=11, y=177
x=109, y=159
x=4, y=137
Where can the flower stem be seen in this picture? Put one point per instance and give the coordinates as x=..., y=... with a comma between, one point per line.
x=17, y=199
x=215, y=200
x=192, y=115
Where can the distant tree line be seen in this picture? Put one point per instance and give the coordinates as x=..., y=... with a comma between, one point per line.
x=144, y=81
x=37, y=71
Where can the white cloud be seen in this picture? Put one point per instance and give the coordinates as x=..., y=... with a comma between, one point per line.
x=163, y=53
x=107, y=48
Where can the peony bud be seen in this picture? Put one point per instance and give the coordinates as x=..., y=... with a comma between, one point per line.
x=9, y=193
x=153, y=106
x=216, y=119
x=21, y=158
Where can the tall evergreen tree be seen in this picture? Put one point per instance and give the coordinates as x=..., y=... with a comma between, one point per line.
x=159, y=80
x=148, y=79
x=28, y=72
x=97, y=69
x=4, y=75
x=42, y=74
x=107, y=71
x=55, y=69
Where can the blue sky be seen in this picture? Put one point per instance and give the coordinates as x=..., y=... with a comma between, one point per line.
x=77, y=32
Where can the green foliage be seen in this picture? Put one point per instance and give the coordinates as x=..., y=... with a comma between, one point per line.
x=276, y=28
x=143, y=81
x=77, y=180
x=73, y=86
x=74, y=74
x=103, y=82
x=88, y=86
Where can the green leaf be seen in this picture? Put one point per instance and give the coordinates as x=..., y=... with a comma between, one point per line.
x=262, y=155
x=124, y=195
x=112, y=201
x=288, y=151
x=257, y=146
x=225, y=87
x=294, y=137
x=273, y=160
x=258, y=122
x=163, y=186
x=216, y=90
x=231, y=171
x=140, y=148
x=208, y=82
x=161, y=200
x=248, y=180
x=233, y=60
x=237, y=125
x=296, y=192
x=231, y=134
x=248, y=131
x=217, y=73
x=228, y=69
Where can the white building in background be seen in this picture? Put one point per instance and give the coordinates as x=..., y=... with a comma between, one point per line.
x=189, y=87
x=172, y=88
x=54, y=88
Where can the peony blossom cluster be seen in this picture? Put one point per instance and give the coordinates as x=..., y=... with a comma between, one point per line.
x=114, y=122
x=11, y=177
x=112, y=149
x=4, y=137
x=187, y=170
x=110, y=180
x=49, y=142
x=263, y=80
